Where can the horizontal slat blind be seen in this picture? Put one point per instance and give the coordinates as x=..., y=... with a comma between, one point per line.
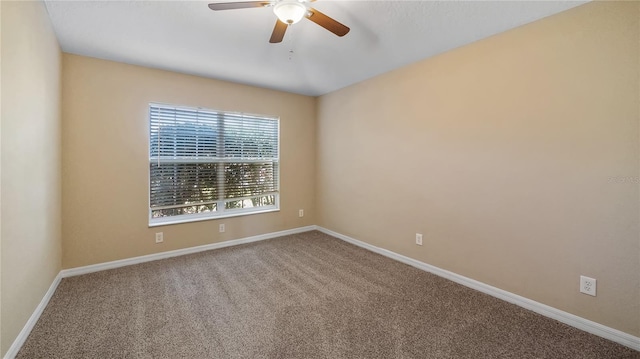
x=198, y=157
x=183, y=183
x=249, y=179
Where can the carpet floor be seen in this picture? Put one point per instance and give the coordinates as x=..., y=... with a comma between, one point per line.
x=307, y=295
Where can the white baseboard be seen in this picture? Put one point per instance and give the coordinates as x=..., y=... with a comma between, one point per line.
x=559, y=315
x=26, y=330
x=179, y=252
x=543, y=309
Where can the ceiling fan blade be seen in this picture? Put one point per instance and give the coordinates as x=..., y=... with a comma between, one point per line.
x=327, y=22
x=238, y=5
x=278, y=32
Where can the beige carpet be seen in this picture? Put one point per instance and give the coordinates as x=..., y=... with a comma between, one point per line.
x=300, y=296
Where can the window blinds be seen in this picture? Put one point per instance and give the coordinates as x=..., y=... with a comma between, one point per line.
x=202, y=158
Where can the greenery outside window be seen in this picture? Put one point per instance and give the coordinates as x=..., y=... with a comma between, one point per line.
x=207, y=164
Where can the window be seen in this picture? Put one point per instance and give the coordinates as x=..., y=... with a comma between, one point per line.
x=207, y=164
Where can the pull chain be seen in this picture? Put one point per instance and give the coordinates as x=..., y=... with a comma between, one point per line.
x=291, y=52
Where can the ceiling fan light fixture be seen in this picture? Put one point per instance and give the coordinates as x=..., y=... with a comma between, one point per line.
x=290, y=12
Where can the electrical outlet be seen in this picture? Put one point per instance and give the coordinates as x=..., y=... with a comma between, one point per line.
x=159, y=237
x=301, y=213
x=419, y=239
x=587, y=285
x=221, y=228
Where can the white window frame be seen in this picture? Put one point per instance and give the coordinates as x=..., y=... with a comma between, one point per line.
x=221, y=211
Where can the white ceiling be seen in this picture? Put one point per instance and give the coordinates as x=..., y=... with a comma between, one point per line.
x=188, y=37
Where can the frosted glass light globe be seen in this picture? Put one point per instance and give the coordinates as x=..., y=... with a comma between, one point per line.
x=289, y=12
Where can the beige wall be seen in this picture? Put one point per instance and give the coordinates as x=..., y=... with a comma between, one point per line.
x=517, y=157
x=30, y=160
x=105, y=158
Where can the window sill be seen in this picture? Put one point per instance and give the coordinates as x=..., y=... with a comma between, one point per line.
x=165, y=221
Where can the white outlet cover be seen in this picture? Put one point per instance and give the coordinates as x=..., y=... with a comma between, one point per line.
x=587, y=285
x=419, y=239
x=159, y=237
x=221, y=228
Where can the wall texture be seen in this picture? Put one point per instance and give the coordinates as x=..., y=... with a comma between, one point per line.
x=106, y=161
x=517, y=157
x=30, y=160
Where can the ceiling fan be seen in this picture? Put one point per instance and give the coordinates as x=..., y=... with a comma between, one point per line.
x=288, y=12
